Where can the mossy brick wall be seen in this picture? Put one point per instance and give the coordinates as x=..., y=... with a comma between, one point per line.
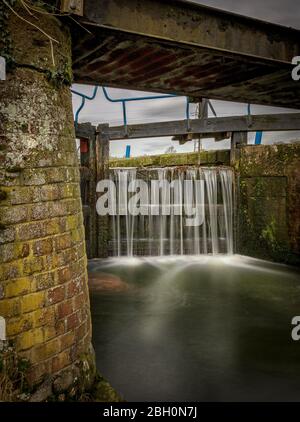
x=269, y=202
x=43, y=288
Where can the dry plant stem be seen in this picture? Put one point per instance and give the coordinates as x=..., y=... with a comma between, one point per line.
x=51, y=39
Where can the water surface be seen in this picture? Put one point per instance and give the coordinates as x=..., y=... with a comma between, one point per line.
x=196, y=328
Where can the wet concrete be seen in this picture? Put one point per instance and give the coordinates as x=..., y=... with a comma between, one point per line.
x=196, y=329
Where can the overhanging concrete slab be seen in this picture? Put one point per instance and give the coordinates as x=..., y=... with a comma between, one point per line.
x=178, y=47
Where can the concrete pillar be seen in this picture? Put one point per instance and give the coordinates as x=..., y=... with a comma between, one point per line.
x=43, y=278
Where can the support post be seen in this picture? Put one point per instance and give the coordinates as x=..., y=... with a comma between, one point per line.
x=203, y=109
x=88, y=175
x=102, y=172
x=237, y=140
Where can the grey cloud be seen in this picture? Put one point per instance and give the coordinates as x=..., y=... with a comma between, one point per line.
x=283, y=12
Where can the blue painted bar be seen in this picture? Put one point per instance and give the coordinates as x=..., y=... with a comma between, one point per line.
x=258, y=138
x=127, y=153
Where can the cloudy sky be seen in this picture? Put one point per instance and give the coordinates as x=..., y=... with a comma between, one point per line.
x=284, y=12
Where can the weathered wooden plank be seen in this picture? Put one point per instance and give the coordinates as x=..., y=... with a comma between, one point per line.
x=265, y=122
x=102, y=170
x=85, y=131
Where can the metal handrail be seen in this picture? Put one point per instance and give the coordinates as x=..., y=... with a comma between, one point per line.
x=83, y=98
x=123, y=101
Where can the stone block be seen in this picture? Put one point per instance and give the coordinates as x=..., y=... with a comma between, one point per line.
x=32, y=301
x=56, y=295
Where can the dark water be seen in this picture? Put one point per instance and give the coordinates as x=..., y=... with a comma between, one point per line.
x=196, y=329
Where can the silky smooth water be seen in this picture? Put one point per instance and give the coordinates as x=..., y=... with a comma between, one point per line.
x=196, y=328
x=165, y=231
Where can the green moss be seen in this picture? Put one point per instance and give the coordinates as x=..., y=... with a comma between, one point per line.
x=270, y=236
x=103, y=392
x=59, y=74
x=267, y=159
x=169, y=160
x=6, y=44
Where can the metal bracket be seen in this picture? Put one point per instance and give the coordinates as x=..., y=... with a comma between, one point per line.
x=72, y=6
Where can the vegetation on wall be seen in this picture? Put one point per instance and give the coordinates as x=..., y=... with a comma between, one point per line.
x=13, y=371
x=33, y=14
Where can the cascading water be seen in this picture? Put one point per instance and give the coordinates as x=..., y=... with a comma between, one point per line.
x=178, y=194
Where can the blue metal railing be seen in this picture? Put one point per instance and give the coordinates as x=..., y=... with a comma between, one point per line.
x=123, y=101
x=83, y=98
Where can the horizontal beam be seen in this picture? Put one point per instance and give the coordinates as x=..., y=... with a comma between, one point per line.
x=197, y=25
x=264, y=122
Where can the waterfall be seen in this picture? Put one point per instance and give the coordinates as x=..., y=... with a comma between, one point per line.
x=189, y=212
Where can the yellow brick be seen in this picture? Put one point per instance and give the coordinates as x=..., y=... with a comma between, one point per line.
x=33, y=265
x=9, y=307
x=54, y=330
x=32, y=302
x=68, y=191
x=17, y=287
x=76, y=235
x=30, y=338
x=11, y=270
x=18, y=325
x=49, y=333
x=46, y=350
x=14, y=327
x=30, y=320
x=72, y=222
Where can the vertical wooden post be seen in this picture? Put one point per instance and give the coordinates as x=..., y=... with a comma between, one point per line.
x=88, y=177
x=92, y=226
x=203, y=109
x=237, y=140
x=202, y=114
x=102, y=165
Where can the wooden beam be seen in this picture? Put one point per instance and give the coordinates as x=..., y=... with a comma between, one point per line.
x=197, y=25
x=264, y=122
x=85, y=131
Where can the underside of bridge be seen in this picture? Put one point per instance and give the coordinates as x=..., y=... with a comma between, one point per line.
x=186, y=49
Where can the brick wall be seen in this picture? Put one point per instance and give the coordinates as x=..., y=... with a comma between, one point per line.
x=43, y=278
x=268, y=202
